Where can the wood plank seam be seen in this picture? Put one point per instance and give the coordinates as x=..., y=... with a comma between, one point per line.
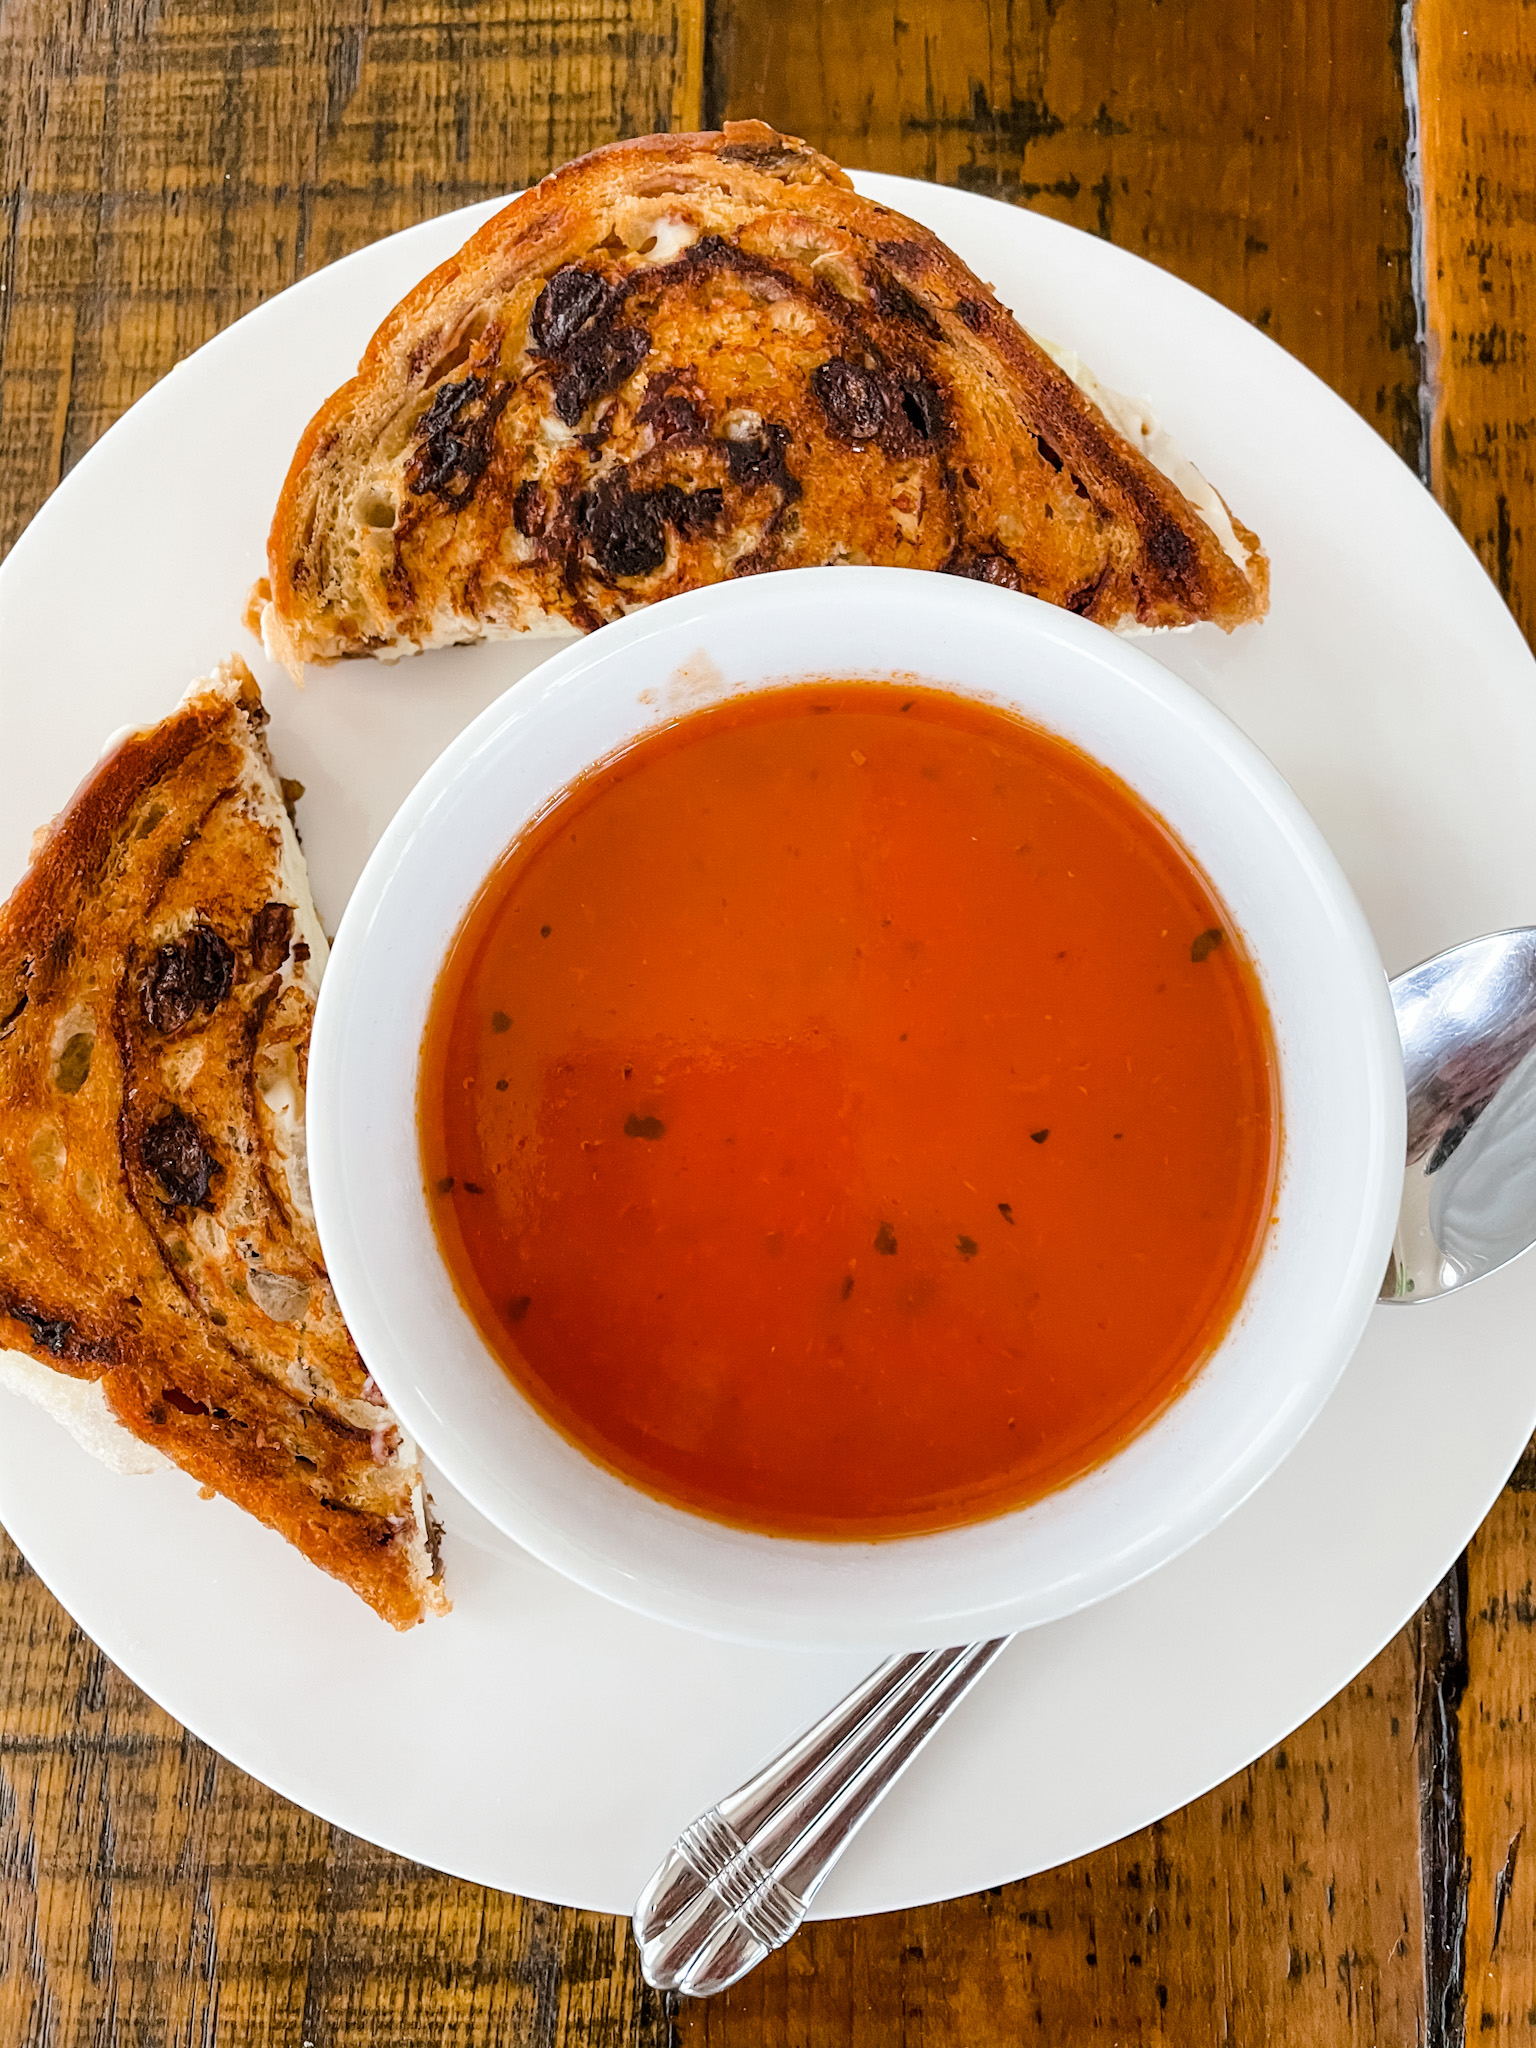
x=1479, y=200
x=1413, y=181
x=715, y=79
x=1445, y=1872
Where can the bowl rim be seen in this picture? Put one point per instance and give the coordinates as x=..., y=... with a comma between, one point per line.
x=367, y=1283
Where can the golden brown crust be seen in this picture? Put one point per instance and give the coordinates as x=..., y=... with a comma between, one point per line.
x=158, y=965
x=691, y=357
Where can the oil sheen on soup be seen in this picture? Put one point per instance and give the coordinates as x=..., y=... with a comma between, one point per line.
x=849, y=1112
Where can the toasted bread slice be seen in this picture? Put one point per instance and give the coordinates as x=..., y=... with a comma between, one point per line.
x=162, y=1288
x=692, y=357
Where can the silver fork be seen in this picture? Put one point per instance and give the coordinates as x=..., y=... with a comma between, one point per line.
x=738, y=1880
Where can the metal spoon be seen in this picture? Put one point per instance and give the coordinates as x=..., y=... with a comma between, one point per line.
x=738, y=1881
x=1467, y=1020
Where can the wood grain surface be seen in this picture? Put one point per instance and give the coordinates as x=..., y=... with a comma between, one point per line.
x=1477, y=69
x=164, y=165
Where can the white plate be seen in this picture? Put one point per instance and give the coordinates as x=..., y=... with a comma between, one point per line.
x=541, y=1740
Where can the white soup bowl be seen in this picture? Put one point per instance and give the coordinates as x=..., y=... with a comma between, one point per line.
x=1340, y=1089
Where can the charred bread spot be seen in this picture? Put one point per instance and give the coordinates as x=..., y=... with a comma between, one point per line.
x=1172, y=554
x=173, y=1151
x=995, y=568
x=923, y=406
x=422, y=354
x=759, y=459
x=1081, y=599
x=851, y=398
x=530, y=510
x=271, y=932
x=712, y=256
x=457, y=435
x=583, y=615
x=749, y=462
x=762, y=156
x=709, y=252
x=671, y=415
x=193, y=973
x=572, y=297
x=628, y=529
x=691, y=512
x=895, y=302
x=761, y=463
x=907, y=252
x=601, y=360
x=918, y=421
x=975, y=315
x=56, y=1335
x=397, y=581
x=600, y=433
x=48, y=1335
x=678, y=419
x=337, y=1429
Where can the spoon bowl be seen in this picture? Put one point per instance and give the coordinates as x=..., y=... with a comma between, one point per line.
x=1467, y=1020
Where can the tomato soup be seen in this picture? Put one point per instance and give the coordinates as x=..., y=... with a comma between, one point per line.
x=849, y=1112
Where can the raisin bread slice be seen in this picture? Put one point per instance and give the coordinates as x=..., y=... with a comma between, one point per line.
x=692, y=357
x=162, y=1288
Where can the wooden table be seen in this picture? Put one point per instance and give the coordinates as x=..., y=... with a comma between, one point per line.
x=1360, y=183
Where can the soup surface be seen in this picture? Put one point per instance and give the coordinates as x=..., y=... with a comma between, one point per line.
x=848, y=1112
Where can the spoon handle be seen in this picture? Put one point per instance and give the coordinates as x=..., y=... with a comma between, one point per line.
x=738, y=1881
